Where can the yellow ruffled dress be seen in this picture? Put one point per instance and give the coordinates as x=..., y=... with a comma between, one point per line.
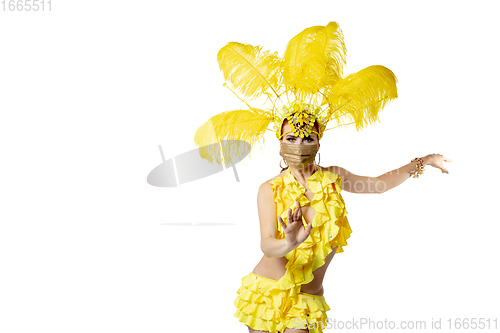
x=269, y=305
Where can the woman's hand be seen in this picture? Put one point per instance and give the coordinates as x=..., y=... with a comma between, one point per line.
x=295, y=233
x=436, y=160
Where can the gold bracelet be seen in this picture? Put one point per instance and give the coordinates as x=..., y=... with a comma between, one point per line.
x=420, y=167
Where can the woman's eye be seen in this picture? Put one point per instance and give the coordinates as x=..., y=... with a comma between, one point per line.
x=293, y=139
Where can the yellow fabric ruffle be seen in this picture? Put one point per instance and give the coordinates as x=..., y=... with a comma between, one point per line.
x=330, y=225
x=263, y=307
x=307, y=311
x=259, y=304
x=269, y=305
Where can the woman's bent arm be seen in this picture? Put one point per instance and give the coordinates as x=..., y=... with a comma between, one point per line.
x=270, y=246
x=273, y=247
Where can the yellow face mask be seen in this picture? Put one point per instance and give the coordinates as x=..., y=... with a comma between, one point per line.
x=297, y=155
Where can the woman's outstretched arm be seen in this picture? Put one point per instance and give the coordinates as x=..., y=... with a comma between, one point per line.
x=383, y=183
x=396, y=177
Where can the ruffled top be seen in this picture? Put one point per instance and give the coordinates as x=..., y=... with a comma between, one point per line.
x=330, y=225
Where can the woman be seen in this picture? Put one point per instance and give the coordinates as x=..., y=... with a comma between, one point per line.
x=303, y=219
x=256, y=300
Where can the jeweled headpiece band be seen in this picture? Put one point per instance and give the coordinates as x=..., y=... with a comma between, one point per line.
x=301, y=119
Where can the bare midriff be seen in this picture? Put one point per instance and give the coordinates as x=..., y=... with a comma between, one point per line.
x=275, y=267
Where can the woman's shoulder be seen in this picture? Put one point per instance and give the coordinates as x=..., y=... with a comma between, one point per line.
x=273, y=181
x=269, y=182
x=266, y=188
x=337, y=170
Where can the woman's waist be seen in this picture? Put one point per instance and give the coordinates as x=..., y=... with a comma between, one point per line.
x=271, y=267
x=313, y=288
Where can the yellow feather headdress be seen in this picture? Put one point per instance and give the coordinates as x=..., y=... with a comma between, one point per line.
x=304, y=86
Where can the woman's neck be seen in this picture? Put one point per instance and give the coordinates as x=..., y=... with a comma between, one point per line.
x=303, y=173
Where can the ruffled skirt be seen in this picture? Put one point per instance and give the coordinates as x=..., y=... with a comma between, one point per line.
x=262, y=306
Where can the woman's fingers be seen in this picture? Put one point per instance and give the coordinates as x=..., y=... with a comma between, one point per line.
x=308, y=229
x=444, y=159
x=298, y=212
x=437, y=162
x=307, y=232
x=443, y=170
x=296, y=216
x=280, y=220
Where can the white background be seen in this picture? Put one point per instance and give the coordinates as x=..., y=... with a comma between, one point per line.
x=90, y=89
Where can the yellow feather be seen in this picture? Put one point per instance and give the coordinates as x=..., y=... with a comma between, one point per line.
x=314, y=58
x=253, y=71
x=301, y=80
x=360, y=96
x=335, y=53
x=248, y=126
